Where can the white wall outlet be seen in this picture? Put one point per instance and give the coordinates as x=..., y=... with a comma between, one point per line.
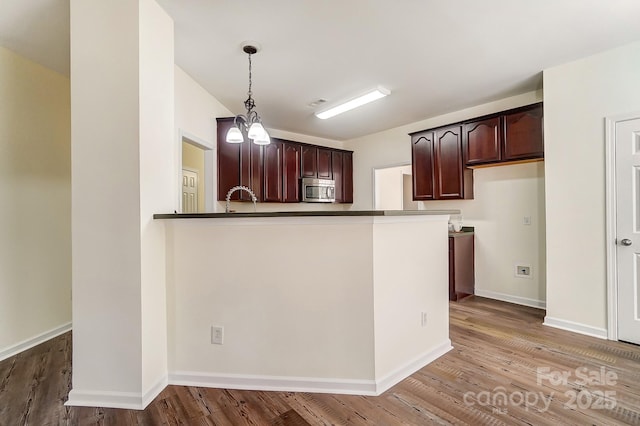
x=523, y=271
x=526, y=220
x=217, y=334
x=423, y=319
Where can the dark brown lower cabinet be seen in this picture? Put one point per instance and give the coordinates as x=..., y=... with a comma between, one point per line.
x=461, y=271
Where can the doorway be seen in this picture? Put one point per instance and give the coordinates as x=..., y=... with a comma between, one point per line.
x=623, y=227
x=392, y=188
x=196, y=156
x=191, y=201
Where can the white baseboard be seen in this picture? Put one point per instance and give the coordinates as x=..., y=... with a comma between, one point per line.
x=125, y=400
x=411, y=367
x=154, y=391
x=575, y=327
x=273, y=383
x=307, y=384
x=525, y=301
x=33, y=341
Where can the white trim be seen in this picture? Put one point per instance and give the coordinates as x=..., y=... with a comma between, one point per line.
x=124, y=400
x=209, y=160
x=273, y=383
x=411, y=367
x=575, y=327
x=518, y=300
x=154, y=391
x=611, y=231
x=610, y=210
x=308, y=384
x=33, y=341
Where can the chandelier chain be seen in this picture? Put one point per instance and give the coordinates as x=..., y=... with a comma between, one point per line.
x=249, y=103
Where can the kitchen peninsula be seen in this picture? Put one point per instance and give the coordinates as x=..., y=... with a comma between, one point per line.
x=326, y=301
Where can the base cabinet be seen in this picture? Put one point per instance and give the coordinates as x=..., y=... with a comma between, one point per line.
x=461, y=270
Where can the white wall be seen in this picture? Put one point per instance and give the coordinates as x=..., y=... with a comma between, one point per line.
x=503, y=196
x=353, y=328
x=279, y=319
x=35, y=200
x=578, y=96
x=122, y=173
x=106, y=197
x=389, y=187
x=195, y=109
x=410, y=277
x=157, y=184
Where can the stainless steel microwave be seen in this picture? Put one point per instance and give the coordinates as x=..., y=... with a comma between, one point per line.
x=318, y=190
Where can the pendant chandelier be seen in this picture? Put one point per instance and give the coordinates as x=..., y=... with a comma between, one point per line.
x=248, y=123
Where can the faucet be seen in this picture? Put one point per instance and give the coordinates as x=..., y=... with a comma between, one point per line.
x=240, y=188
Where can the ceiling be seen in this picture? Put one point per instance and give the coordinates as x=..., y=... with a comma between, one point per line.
x=436, y=56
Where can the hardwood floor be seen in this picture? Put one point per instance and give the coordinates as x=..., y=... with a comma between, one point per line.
x=506, y=369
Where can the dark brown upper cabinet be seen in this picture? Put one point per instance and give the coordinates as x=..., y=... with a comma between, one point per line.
x=347, y=177
x=324, y=164
x=342, y=172
x=452, y=180
x=483, y=141
x=238, y=164
x=422, y=162
x=512, y=135
x=523, y=134
x=337, y=166
x=438, y=172
x=273, y=172
x=291, y=172
x=309, y=161
x=316, y=162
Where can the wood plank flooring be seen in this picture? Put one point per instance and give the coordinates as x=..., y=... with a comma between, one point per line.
x=506, y=369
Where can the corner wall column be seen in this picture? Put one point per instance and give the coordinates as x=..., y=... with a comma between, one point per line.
x=122, y=112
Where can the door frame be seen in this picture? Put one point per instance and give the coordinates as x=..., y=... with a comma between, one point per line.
x=208, y=172
x=611, y=211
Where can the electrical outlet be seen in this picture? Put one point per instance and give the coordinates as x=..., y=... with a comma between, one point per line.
x=523, y=271
x=423, y=319
x=217, y=334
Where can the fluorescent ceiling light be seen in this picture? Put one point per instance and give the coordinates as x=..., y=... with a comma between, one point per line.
x=380, y=92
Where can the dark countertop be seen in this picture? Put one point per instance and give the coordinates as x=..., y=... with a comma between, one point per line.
x=304, y=214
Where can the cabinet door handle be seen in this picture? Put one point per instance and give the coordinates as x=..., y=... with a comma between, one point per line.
x=626, y=242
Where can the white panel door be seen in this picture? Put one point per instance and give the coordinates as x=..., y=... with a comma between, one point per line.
x=189, y=191
x=628, y=228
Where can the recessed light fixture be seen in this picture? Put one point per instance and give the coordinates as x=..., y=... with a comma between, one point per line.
x=378, y=93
